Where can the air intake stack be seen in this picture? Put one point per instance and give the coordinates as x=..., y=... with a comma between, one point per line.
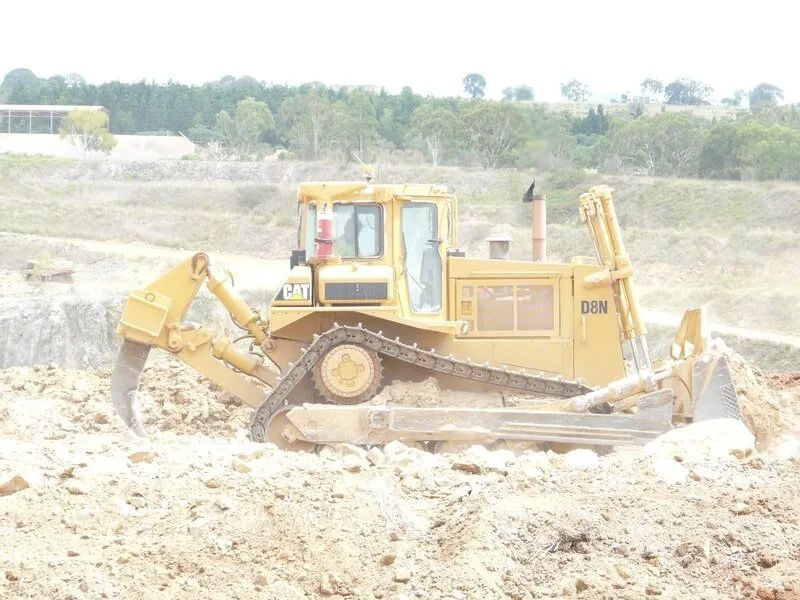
x=499, y=246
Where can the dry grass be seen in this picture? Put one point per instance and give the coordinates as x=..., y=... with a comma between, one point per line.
x=214, y=216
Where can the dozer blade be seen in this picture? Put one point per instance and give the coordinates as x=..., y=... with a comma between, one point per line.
x=713, y=389
x=125, y=383
x=378, y=424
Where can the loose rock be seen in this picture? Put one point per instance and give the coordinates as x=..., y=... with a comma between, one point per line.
x=77, y=488
x=224, y=502
x=136, y=501
x=622, y=570
x=669, y=471
x=581, y=459
x=354, y=463
x=240, y=466
x=13, y=484
x=767, y=560
x=740, y=508
x=376, y=456
x=387, y=559
x=143, y=456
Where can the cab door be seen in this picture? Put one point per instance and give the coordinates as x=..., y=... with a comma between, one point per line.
x=422, y=246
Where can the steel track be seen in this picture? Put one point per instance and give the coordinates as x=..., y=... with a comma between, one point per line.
x=428, y=360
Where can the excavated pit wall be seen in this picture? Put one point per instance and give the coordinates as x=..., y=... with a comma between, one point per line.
x=70, y=330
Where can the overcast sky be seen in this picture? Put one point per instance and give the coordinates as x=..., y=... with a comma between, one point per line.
x=428, y=45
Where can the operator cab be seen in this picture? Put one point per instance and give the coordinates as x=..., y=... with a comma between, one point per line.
x=386, y=246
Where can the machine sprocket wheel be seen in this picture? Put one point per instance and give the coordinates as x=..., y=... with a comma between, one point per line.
x=348, y=374
x=283, y=434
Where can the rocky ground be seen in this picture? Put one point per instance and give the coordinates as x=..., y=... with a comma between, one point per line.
x=89, y=511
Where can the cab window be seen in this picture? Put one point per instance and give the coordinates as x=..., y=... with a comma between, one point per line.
x=423, y=265
x=359, y=230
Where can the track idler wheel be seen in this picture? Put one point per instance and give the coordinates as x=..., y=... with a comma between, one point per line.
x=348, y=374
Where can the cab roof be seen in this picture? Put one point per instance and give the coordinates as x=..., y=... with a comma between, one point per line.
x=334, y=190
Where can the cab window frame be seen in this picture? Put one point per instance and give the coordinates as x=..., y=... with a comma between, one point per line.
x=308, y=229
x=380, y=225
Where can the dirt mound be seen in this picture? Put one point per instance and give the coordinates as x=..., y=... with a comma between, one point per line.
x=771, y=412
x=177, y=398
x=172, y=397
x=785, y=380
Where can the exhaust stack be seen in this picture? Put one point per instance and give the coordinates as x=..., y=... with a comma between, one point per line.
x=539, y=227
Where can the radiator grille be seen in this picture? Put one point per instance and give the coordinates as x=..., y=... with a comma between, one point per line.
x=357, y=291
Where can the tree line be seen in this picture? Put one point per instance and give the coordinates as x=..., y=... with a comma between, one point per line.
x=246, y=118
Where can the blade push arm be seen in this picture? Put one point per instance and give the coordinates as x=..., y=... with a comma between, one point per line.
x=597, y=211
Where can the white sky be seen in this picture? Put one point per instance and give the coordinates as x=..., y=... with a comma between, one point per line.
x=429, y=45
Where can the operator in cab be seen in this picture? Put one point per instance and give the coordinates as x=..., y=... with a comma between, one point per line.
x=346, y=240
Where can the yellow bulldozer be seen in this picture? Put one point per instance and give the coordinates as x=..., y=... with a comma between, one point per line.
x=379, y=291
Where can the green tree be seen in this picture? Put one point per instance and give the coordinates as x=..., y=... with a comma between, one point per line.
x=596, y=122
x=765, y=94
x=341, y=134
x=315, y=121
x=437, y=127
x=306, y=120
x=667, y=144
x=88, y=130
x=719, y=156
x=475, y=85
x=362, y=116
x=394, y=114
x=575, y=91
x=521, y=93
x=74, y=80
x=654, y=86
x=769, y=151
x=242, y=131
x=786, y=115
x=549, y=139
x=687, y=92
x=354, y=127
x=735, y=99
x=494, y=131
x=21, y=86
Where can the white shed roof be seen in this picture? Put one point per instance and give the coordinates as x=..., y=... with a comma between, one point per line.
x=47, y=107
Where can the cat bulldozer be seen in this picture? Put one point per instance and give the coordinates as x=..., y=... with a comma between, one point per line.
x=378, y=292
